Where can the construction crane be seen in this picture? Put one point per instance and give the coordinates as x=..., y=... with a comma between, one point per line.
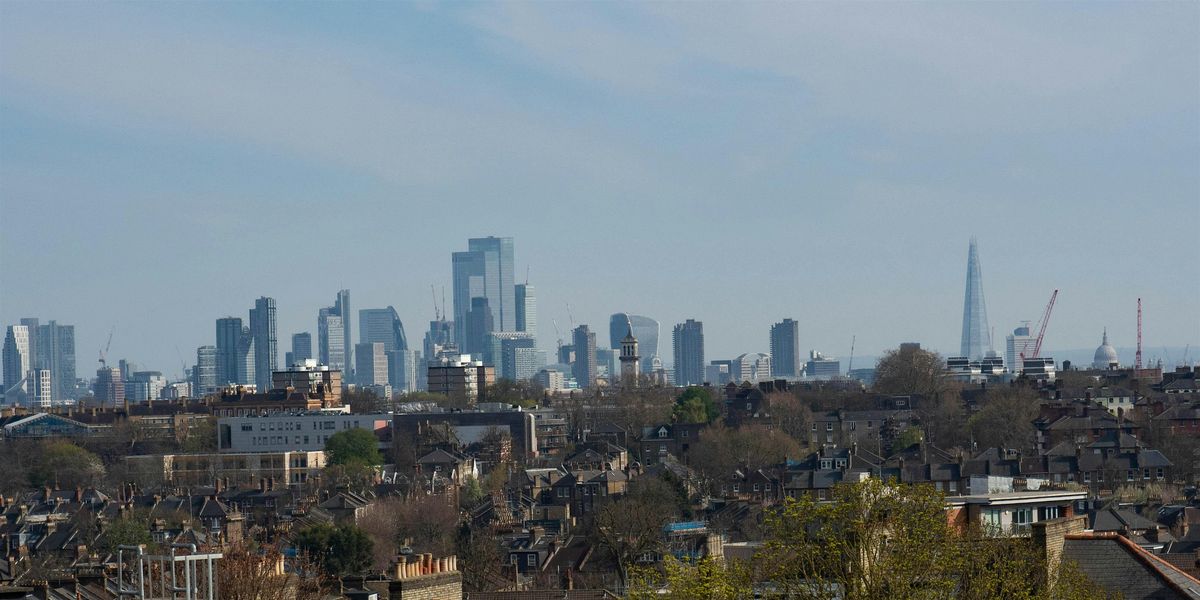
x=1137, y=358
x=437, y=316
x=557, y=334
x=1037, y=344
x=850, y=363
x=104, y=352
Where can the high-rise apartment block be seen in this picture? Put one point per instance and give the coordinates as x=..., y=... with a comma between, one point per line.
x=584, y=367
x=526, y=309
x=785, y=349
x=229, y=335
x=109, y=388
x=243, y=359
x=52, y=347
x=688, y=342
x=266, y=351
x=204, y=376
x=460, y=377
x=41, y=389
x=502, y=353
x=976, y=337
x=17, y=362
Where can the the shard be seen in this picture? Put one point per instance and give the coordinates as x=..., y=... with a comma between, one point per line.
x=976, y=336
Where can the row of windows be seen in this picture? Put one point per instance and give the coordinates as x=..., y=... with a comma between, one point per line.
x=275, y=440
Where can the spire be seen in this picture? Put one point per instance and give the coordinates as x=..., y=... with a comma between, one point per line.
x=1105, y=342
x=629, y=324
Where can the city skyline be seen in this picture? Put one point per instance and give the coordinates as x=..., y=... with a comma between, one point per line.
x=863, y=199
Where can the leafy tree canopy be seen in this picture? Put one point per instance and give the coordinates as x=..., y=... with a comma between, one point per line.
x=353, y=447
x=695, y=405
x=344, y=550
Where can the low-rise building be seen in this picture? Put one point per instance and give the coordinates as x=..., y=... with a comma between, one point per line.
x=1012, y=513
x=302, y=431
x=236, y=468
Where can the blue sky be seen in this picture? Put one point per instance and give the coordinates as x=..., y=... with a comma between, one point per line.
x=163, y=164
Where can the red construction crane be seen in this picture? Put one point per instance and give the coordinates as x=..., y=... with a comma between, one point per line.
x=1137, y=358
x=1037, y=345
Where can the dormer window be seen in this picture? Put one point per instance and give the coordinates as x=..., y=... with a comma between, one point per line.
x=662, y=433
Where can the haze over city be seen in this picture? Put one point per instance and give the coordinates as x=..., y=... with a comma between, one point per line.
x=162, y=166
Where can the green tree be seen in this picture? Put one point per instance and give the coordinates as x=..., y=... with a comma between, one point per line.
x=695, y=405
x=522, y=393
x=61, y=463
x=911, y=436
x=344, y=550
x=353, y=447
x=471, y=493
x=128, y=530
x=201, y=436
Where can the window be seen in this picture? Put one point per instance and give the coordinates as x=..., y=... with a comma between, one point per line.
x=512, y=559
x=247, y=427
x=953, y=486
x=1159, y=473
x=814, y=426
x=756, y=486
x=1145, y=473
x=820, y=494
x=531, y=560
x=1087, y=476
x=1130, y=475
x=748, y=406
x=826, y=463
x=685, y=433
x=829, y=427
x=991, y=519
x=736, y=488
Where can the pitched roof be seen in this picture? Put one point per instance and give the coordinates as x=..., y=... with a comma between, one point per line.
x=1118, y=565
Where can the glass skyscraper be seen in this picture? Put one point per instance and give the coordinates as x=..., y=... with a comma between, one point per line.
x=526, y=319
x=229, y=333
x=266, y=344
x=485, y=270
x=645, y=330
x=382, y=325
x=976, y=337
x=301, y=347
x=331, y=339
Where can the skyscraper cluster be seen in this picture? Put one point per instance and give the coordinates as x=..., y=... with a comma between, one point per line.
x=488, y=306
x=39, y=363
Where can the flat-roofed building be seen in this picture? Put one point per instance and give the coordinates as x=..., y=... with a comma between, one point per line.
x=461, y=377
x=241, y=468
x=471, y=426
x=304, y=431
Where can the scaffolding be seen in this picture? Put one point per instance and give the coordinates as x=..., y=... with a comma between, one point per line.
x=177, y=576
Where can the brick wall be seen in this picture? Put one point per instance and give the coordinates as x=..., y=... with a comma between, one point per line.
x=438, y=586
x=1048, y=538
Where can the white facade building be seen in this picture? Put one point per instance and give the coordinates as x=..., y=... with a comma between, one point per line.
x=291, y=432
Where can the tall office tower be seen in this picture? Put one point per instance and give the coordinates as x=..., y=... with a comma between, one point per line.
x=785, y=349
x=109, y=388
x=1020, y=342
x=403, y=373
x=468, y=273
x=498, y=278
x=688, y=342
x=479, y=323
x=229, y=332
x=584, y=367
x=645, y=330
x=976, y=337
x=244, y=359
x=501, y=351
x=341, y=306
x=266, y=351
x=301, y=348
x=330, y=338
x=440, y=337
x=382, y=325
x=55, y=346
x=144, y=386
x=17, y=361
x=485, y=270
x=41, y=389
x=631, y=362
x=526, y=309
x=204, y=376
x=371, y=364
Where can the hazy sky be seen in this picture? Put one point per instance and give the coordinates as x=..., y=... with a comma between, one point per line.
x=163, y=164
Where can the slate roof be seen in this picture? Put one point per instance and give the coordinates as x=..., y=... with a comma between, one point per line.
x=1119, y=566
x=1117, y=520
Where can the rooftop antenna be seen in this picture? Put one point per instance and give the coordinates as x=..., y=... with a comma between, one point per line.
x=433, y=292
x=443, y=302
x=526, y=274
